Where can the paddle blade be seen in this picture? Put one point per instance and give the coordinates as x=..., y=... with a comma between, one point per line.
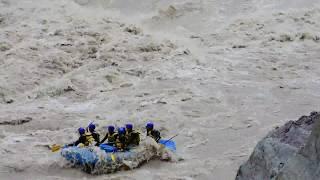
x=113, y=157
x=55, y=148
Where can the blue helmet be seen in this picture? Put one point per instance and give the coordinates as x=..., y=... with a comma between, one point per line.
x=121, y=130
x=149, y=125
x=110, y=128
x=129, y=126
x=91, y=127
x=81, y=130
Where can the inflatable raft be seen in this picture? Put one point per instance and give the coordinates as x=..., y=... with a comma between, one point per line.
x=107, y=159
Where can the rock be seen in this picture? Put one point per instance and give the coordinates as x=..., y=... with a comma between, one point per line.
x=283, y=150
x=305, y=163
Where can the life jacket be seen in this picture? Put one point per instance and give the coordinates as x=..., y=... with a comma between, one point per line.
x=112, y=137
x=155, y=134
x=133, y=137
x=89, y=139
x=96, y=136
x=121, y=142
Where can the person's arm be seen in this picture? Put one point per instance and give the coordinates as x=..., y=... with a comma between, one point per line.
x=157, y=136
x=97, y=139
x=114, y=139
x=122, y=142
x=136, y=138
x=72, y=144
x=76, y=142
x=104, y=139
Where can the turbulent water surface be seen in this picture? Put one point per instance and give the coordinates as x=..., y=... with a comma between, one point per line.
x=219, y=73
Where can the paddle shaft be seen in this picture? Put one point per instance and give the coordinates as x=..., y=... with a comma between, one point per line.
x=170, y=139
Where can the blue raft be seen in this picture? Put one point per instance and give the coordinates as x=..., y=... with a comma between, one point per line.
x=89, y=160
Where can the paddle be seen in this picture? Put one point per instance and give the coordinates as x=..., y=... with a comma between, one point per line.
x=55, y=147
x=162, y=145
x=113, y=157
x=170, y=138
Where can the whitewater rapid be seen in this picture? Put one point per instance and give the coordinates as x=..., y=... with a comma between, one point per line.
x=219, y=73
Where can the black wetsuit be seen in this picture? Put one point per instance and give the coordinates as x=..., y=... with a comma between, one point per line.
x=133, y=138
x=155, y=134
x=121, y=142
x=111, y=138
x=82, y=139
x=96, y=137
